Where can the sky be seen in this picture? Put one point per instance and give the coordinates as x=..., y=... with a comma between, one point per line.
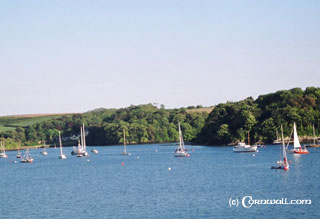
x=74, y=56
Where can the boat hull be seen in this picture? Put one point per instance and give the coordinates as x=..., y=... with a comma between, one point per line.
x=3, y=156
x=313, y=145
x=245, y=149
x=181, y=154
x=301, y=152
x=62, y=156
x=281, y=165
x=26, y=161
x=95, y=151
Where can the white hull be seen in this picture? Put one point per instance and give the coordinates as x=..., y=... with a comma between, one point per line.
x=62, y=156
x=82, y=154
x=241, y=147
x=280, y=165
x=3, y=155
x=26, y=161
x=94, y=151
x=44, y=153
x=180, y=154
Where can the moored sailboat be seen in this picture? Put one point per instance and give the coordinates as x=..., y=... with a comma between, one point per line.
x=242, y=147
x=296, y=143
x=61, y=155
x=181, y=151
x=124, y=144
x=44, y=152
x=314, y=139
x=18, y=155
x=278, y=140
x=27, y=157
x=81, y=150
x=3, y=151
x=282, y=164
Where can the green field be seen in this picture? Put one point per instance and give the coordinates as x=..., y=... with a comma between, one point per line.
x=12, y=122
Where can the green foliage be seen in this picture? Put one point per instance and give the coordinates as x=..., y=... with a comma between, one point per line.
x=142, y=124
x=222, y=124
x=12, y=122
x=230, y=122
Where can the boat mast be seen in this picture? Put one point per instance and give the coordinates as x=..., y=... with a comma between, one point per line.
x=84, y=138
x=60, y=143
x=248, y=137
x=81, y=137
x=181, y=146
x=27, y=154
x=124, y=141
x=283, y=146
x=314, y=135
x=3, y=148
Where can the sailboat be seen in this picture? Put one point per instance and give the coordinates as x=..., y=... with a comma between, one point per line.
x=242, y=147
x=282, y=164
x=124, y=145
x=18, y=153
x=61, y=155
x=314, y=139
x=82, y=149
x=278, y=140
x=181, y=151
x=27, y=157
x=296, y=144
x=3, y=151
x=44, y=152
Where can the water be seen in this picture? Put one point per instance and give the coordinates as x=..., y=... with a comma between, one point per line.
x=199, y=186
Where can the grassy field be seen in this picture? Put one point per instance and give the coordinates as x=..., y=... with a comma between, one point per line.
x=200, y=110
x=12, y=122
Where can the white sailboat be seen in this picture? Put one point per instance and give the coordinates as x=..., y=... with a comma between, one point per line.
x=18, y=155
x=82, y=149
x=27, y=157
x=242, y=147
x=296, y=143
x=44, y=152
x=314, y=139
x=278, y=140
x=181, y=151
x=3, y=151
x=125, y=153
x=282, y=164
x=61, y=155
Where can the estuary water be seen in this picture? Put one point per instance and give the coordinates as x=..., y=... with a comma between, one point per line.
x=152, y=183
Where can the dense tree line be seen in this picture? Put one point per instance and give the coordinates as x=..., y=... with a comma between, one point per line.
x=230, y=122
x=142, y=124
x=227, y=123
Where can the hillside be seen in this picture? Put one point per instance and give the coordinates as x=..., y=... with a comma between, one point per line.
x=222, y=124
x=231, y=121
x=142, y=124
x=12, y=122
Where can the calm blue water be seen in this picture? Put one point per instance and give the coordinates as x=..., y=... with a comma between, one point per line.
x=196, y=187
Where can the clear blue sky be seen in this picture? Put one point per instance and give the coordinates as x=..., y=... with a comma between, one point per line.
x=74, y=56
